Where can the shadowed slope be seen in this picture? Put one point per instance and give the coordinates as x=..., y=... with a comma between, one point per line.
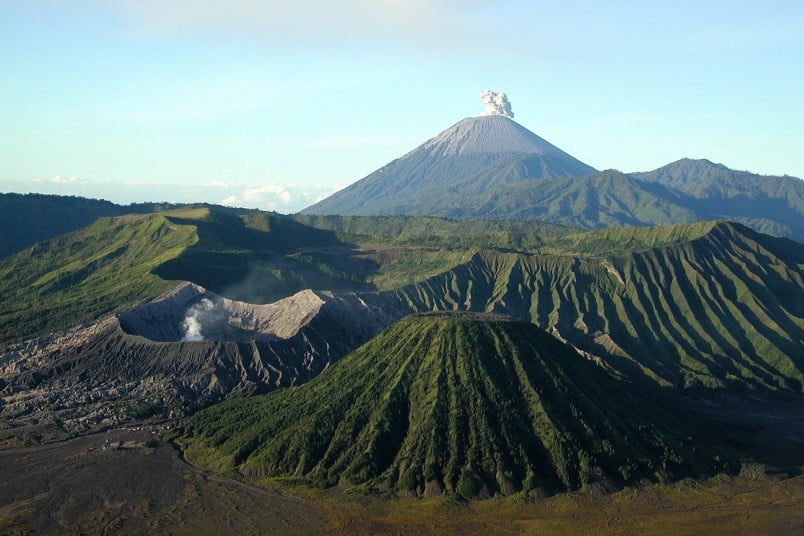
x=769, y=204
x=29, y=218
x=463, y=403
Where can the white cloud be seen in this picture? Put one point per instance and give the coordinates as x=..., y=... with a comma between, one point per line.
x=143, y=182
x=219, y=184
x=278, y=197
x=63, y=180
x=272, y=191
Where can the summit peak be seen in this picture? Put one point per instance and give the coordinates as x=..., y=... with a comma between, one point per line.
x=475, y=156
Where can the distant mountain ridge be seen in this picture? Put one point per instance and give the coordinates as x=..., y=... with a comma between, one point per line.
x=494, y=168
x=769, y=204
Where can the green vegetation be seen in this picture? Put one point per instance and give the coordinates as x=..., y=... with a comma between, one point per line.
x=262, y=257
x=461, y=403
x=117, y=262
x=29, y=218
x=142, y=410
x=440, y=233
x=80, y=276
x=705, y=305
x=624, y=240
x=772, y=205
x=408, y=250
x=243, y=254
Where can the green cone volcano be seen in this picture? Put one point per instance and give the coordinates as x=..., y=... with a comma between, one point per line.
x=465, y=403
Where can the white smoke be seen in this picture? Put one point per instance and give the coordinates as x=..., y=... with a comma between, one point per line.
x=496, y=103
x=193, y=320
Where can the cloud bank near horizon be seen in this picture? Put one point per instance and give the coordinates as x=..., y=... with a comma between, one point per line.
x=273, y=196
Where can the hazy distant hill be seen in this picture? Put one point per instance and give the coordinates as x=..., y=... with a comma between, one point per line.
x=30, y=218
x=773, y=205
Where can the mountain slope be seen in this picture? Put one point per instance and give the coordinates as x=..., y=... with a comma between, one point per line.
x=245, y=255
x=469, y=404
x=698, y=306
x=29, y=218
x=456, y=168
x=604, y=199
x=695, y=306
x=98, y=375
x=705, y=309
x=772, y=205
x=83, y=275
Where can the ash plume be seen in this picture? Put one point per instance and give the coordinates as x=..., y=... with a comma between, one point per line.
x=496, y=103
x=194, y=320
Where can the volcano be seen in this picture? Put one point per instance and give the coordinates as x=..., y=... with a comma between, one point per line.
x=464, y=403
x=452, y=174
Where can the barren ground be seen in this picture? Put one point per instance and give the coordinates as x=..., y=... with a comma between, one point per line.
x=77, y=486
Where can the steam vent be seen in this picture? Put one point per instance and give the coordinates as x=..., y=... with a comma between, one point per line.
x=192, y=313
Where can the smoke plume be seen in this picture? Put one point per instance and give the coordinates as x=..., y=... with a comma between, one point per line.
x=496, y=103
x=194, y=319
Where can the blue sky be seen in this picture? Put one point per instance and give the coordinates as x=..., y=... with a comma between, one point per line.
x=276, y=104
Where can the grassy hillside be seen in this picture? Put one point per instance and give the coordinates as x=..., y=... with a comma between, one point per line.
x=460, y=403
x=262, y=257
x=29, y=218
x=437, y=232
x=408, y=250
x=88, y=273
x=624, y=240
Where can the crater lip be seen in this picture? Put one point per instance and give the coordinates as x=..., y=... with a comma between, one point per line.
x=216, y=318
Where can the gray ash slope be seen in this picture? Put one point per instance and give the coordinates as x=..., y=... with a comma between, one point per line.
x=469, y=158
